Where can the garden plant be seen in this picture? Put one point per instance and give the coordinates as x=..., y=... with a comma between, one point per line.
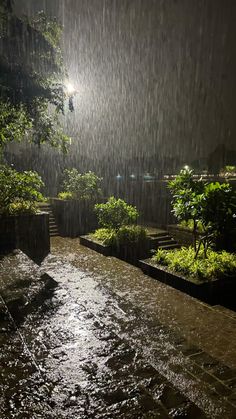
x=84, y=187
x=209, y=207
x=117, y=221
x=19, y=191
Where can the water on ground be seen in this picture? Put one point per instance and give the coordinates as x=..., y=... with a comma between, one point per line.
x=96, y=338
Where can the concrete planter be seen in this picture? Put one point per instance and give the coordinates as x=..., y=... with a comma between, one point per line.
x=73, y=217
x=28, y=232
x=216, y=291
x=95, y=245
x=129, y=253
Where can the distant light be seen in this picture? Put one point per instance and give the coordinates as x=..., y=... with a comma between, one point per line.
x=118, y=177
x=132, y=176
x=70, y=90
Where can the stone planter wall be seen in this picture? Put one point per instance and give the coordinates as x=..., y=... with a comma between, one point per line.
x=217, y=291
x=28, y=232
x=129, y=253
x=73, y=217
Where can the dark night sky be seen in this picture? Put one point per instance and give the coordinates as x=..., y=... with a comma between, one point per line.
x=155, y=77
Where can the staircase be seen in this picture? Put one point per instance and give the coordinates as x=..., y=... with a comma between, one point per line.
x=46, y=207
x=160, y=239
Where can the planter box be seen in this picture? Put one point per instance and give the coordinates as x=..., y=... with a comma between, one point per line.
x=130, y=254
x=28, y=232
x=73, y=217
x=216, y=291
x=94, y=245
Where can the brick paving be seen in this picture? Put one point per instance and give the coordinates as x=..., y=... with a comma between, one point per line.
x=108, y=341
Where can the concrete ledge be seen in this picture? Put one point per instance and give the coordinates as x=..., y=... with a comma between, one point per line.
x=128, y=253
x=94, y=245
x=27, y=232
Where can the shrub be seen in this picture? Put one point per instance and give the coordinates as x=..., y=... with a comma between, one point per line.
x=183, y=261
x=125, y=235
x=22, y=207
x=81, y=186
x=18, y=190
x=105, y=235
x=115, y=213
x=131, y=234
x=65, y=195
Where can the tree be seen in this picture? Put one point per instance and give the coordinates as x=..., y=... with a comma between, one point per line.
x=211, y=205
x=218, y=213
x=32, y=94
x=186, y=202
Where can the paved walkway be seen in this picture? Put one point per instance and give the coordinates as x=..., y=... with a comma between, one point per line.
x=106, y=341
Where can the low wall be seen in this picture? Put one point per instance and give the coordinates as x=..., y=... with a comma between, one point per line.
x=28, y=232
x=73, y=217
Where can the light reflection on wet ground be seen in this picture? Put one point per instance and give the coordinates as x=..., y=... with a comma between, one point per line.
x=108, y=342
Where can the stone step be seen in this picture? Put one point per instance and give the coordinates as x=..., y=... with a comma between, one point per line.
x=170, y=246
x=167, y=242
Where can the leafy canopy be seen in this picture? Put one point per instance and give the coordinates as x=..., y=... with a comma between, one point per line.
x=85, y=186
x=209, y=205
x=32, y=77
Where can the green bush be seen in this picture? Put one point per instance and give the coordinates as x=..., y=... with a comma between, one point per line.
x=115, y=213
x=81, y=186
x=65, y=195
x=125, y=235
x=183, y=261
x=106, y=236
x=22, y=207
x=131, y=234
x=19, y=190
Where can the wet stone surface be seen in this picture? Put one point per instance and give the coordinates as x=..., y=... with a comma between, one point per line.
x=84, y=346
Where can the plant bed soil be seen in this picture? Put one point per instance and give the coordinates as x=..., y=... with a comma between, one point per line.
x=216, y=291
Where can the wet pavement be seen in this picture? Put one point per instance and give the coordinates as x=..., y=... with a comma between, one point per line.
x=99, y=339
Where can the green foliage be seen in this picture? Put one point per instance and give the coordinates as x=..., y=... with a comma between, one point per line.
x=22, y=207
x=183, y=261
x=208, y=207
x=106, y=236
x=85, y=186
x=190, y=225
x=131, y=234
x=228, y=171
x=19, y=190
x=186, y=196
x=125, y=235
x=31, y=79
x=65, y=195
x=14, y=123
x=115, y=213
